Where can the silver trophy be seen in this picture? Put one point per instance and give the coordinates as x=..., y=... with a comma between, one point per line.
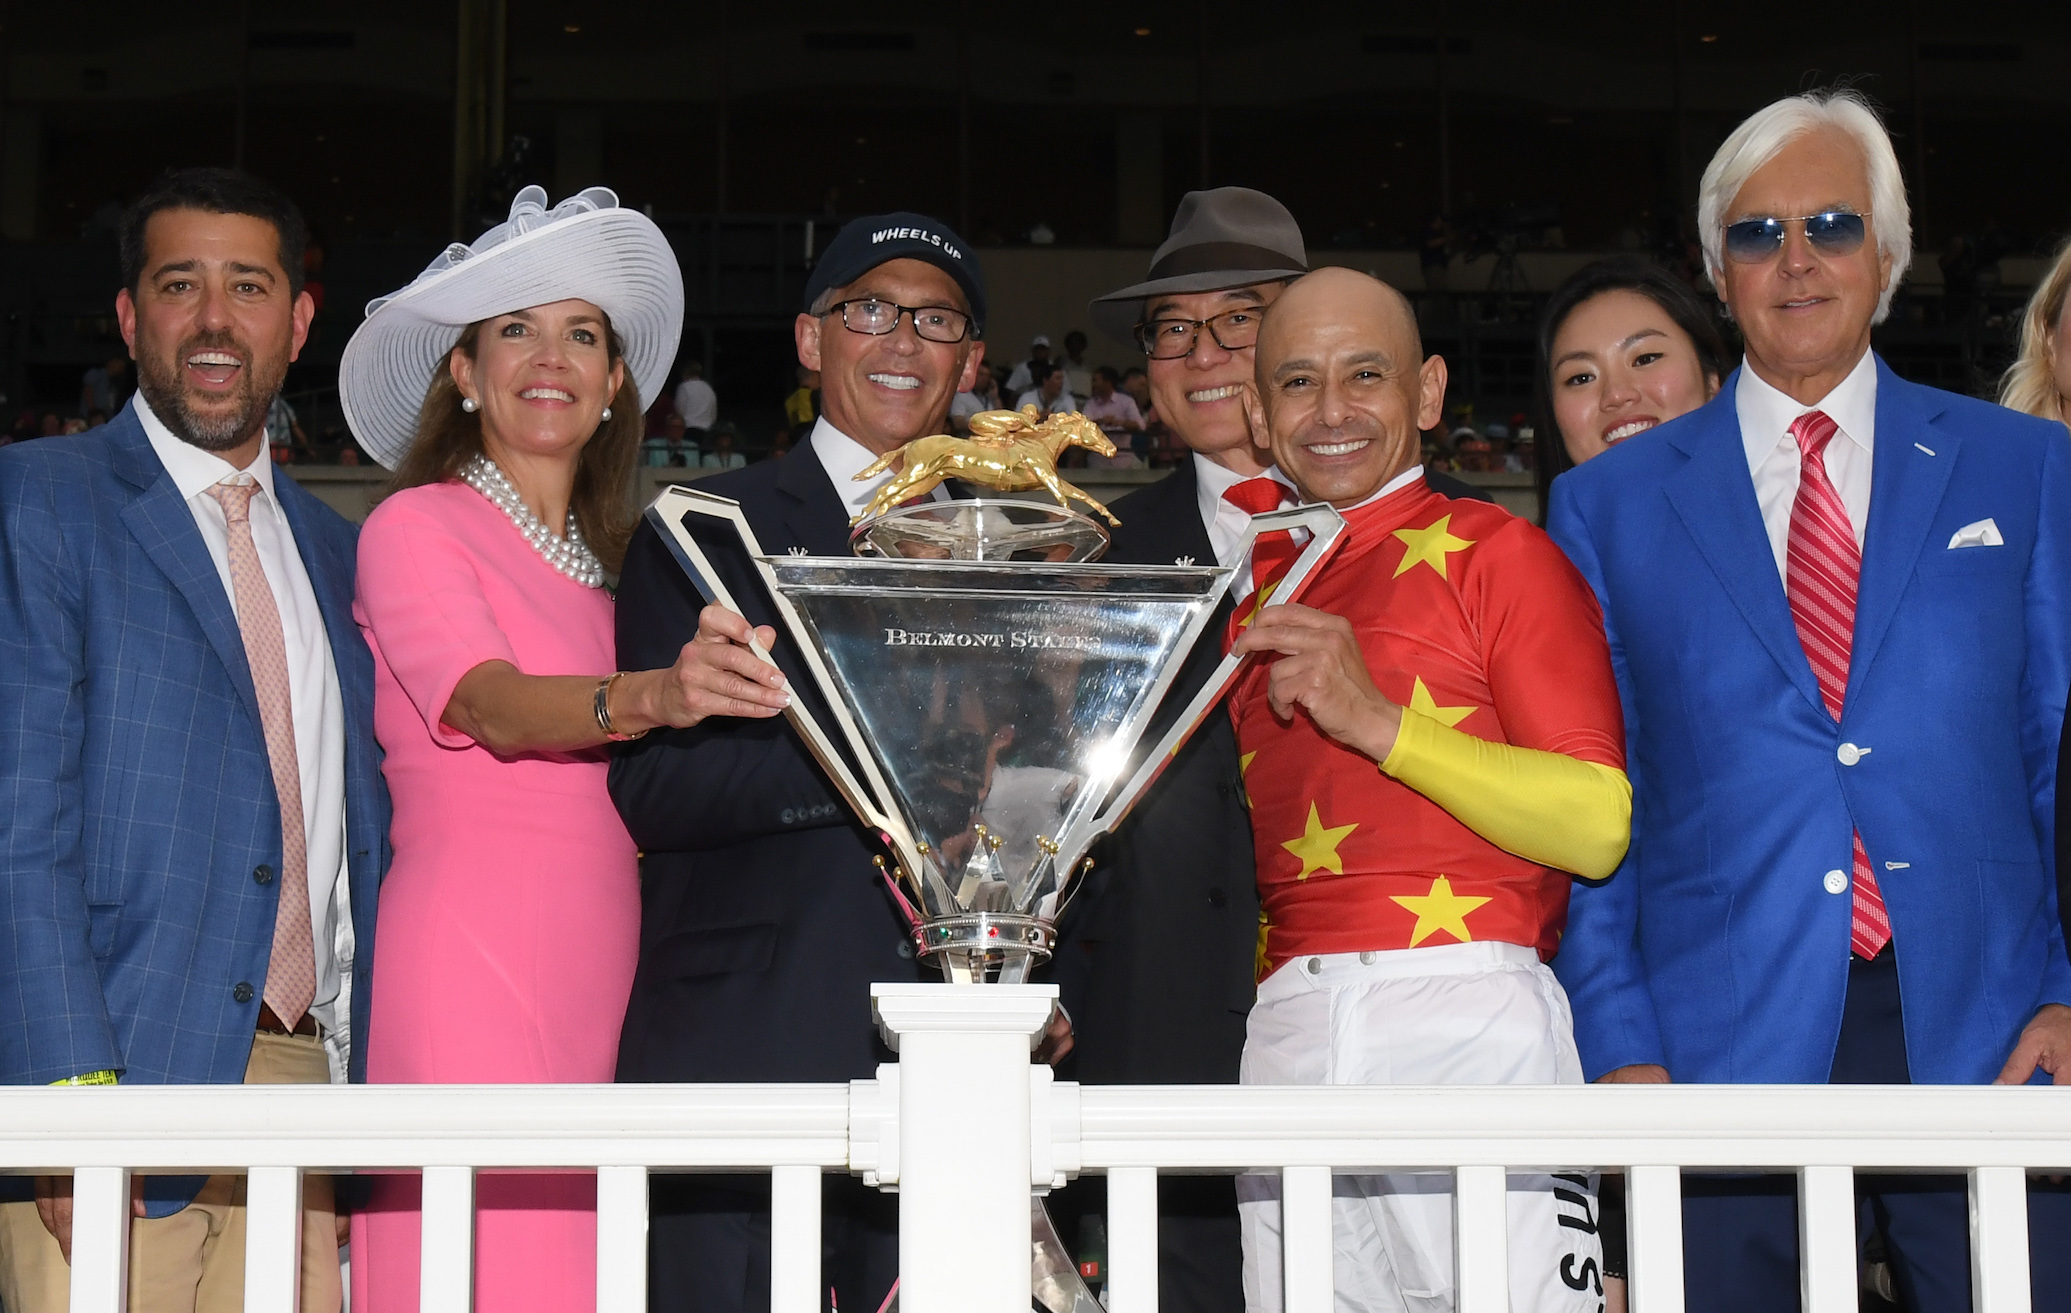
x=991, y=685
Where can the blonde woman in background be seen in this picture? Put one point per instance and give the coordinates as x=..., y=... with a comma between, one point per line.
x=2040, y=381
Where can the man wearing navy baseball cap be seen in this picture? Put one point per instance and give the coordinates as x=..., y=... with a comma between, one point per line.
x=763, y=920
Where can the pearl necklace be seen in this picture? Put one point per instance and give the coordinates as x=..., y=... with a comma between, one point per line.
x=570, y=555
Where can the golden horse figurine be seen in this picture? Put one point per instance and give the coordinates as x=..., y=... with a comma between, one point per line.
x=1008, y=451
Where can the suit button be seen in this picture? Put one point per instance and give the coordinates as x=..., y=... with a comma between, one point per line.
x=905, y=948
x=789, y=816
x=1848, y=754
x=1217, y=898
x=262, y=874
x=242, y=992
x=1222, y=790
x=1836, y=882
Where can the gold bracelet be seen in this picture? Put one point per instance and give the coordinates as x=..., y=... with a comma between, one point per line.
x=602, y=706
x=90, y=1078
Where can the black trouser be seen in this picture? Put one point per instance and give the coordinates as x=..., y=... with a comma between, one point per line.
x=1740, y=1233
x=1200, y=1252
x=708, y=1244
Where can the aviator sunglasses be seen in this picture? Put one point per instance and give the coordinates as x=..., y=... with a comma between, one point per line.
x=1832, y=232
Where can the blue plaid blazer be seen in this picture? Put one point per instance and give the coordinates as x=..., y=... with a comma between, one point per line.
x=136, y=799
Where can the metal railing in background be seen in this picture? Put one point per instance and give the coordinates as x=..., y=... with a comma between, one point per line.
x=963, y=1127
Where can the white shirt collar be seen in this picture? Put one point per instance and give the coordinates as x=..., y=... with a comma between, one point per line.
x=843, y=458
x=1766, y=413
x=193, y=469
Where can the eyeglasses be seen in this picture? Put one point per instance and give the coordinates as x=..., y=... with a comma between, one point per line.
x=1834, y=232
x=1172, y=339
x=874, y=318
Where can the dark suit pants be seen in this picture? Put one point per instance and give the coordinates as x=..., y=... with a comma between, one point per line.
x=1740, y=1233
x=708, y=1244
x=1200, y=1252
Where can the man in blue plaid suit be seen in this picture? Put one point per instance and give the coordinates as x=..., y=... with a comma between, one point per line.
x=192, y=821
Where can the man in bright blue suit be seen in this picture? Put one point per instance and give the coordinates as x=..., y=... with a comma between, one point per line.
x=1839, y=607
x=192, y=821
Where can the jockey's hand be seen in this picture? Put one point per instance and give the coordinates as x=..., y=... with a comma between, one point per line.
x=1322, y=671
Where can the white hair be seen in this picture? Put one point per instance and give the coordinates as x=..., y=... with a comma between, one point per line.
x=1762, y=137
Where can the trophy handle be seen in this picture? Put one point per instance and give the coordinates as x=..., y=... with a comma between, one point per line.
x=666, y=515
x=1325, y=527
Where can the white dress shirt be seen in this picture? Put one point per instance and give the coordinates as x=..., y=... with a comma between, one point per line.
x=1773, y=459
x=843, y=458
x=313, y=695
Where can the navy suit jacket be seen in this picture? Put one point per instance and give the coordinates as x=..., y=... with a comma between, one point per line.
x=1716, y=949
x=136, y=797
x=763, y=921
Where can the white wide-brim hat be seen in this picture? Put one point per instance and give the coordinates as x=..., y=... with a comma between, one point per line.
x=586, y=248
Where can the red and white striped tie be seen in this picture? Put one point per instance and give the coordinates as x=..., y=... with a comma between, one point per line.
x=1823, y=564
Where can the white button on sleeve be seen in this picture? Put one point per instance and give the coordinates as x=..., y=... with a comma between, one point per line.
x=1837, y=882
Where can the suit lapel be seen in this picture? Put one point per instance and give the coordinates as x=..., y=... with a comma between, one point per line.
x=1906, y=487
x=1715, y=497
x=815, y=514
x=163, y=525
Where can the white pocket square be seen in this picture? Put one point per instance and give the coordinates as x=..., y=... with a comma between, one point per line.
x=1982, y=534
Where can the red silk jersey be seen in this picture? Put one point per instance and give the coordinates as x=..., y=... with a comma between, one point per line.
x=1473, y=617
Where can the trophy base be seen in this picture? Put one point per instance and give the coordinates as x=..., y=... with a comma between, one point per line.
x=985, y=947
x=980, y=529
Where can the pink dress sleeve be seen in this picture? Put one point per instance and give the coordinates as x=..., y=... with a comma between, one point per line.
x=422, y=605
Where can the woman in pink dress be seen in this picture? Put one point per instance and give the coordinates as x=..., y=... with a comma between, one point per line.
x=510, y=918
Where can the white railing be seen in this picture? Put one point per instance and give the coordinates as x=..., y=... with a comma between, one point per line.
x=963, y=1126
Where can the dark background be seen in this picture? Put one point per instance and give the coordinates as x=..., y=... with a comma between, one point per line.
x=748, y=130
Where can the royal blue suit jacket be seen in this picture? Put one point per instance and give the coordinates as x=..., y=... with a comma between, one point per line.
x=136, y=798
x=1715, y=949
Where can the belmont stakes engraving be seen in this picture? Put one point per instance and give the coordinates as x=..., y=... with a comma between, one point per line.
x=1019, y=640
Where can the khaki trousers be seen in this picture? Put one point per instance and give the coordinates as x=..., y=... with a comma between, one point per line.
x=193, y=1261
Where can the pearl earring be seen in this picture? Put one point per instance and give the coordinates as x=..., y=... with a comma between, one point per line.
x=606, y=416
x=470, y=405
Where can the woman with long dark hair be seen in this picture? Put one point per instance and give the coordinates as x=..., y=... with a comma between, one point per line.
x=1623, y=346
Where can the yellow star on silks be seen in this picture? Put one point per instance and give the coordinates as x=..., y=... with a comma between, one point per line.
x=1420, y=700
x=1243, y=769
x=1258, y=604
x=1318, y=846
x=1430, y=544
x=1441, y=909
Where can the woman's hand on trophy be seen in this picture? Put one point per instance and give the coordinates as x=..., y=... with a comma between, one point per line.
x=717, y=673
x=1321, y=670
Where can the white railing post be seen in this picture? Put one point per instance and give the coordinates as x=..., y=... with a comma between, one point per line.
x=1305, y=1249
x=621, y=1237
x=1826, y=1239
x=1481, y=1239
x=100, y=1239
x=1999, y=1240
x=1132, y=1240
x=794, y=1240
x=446, y=1268
x=273, y=1240
x=963, y=1136
x=1654, y=1223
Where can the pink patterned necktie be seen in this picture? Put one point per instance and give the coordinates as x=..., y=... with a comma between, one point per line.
x=291, y=973
x=1823, y=564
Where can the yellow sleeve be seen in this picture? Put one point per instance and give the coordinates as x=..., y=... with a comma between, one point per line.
x=1558, y=811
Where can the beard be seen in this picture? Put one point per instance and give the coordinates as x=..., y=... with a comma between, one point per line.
x=226, y=423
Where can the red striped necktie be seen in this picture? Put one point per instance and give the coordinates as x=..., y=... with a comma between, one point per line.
x=1823, y=564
